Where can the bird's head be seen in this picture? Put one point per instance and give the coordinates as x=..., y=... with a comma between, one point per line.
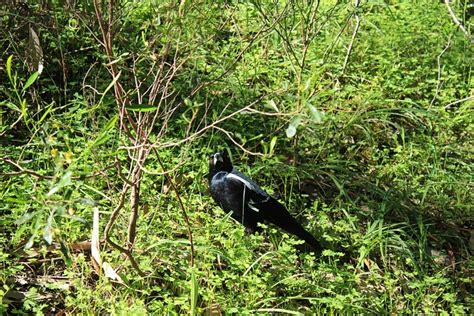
x=220, y=161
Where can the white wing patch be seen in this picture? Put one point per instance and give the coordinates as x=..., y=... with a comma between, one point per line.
x=245, y=182
x=252, y=207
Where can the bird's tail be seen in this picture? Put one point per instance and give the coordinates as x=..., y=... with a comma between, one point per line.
x=283, y=219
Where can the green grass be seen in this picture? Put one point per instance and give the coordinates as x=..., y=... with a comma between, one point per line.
x=379, y=167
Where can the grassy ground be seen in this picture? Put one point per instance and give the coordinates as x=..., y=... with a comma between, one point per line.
x=360, y=122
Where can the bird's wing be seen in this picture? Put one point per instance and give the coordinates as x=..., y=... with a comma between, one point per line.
x=254, y=195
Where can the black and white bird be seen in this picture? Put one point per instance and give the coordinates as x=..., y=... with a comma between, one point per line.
x=248, y=203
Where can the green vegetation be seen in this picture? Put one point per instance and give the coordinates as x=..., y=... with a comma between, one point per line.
x=357, y=116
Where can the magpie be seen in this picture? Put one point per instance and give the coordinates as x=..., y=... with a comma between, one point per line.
x=249, y=204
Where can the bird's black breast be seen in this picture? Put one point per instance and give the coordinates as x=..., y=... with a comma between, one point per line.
x=227, y=193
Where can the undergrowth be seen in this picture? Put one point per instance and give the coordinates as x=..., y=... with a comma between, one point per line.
x=373, y=156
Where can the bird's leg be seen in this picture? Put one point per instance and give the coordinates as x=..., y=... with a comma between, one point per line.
x=243, y=205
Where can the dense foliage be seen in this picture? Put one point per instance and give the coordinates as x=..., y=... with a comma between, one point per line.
x=357, y=116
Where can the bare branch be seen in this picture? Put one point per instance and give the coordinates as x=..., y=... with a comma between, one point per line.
x=457, y=21
x=354, y=33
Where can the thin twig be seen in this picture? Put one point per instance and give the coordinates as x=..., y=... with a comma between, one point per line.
x=354, y=33
x=135, y=197
x=438, y=84
x=215, y=123
x=459, y=101
x=456, y=20
x=118, y=165
x=23, y=171
x=292, y=114
x=236, y=59
x=45, y=177
x=178, y=197
x=227, y=133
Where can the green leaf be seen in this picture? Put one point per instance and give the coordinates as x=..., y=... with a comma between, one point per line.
x=48, y=229
x=9, y=68
x=104, y=134
x=64, y=181
x=30, y=242
x=141, y=108
x=188, y=102
x=316, y=115
x=272, y=105
x=272, y=145
x=25, y=218
x=34, y=233
x=65, y=251
x=12, y=106
x=194, y=292
x=291, y=129
x=30, y=80
x=23, y=110
x=111, y=84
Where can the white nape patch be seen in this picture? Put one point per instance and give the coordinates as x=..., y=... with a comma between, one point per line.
x=217, y=157
x=245, y=182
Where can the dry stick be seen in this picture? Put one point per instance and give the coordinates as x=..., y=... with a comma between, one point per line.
x=333, y=43
x=288, y=47
x=118, y=165
x=456, y=20
x=12, y=125
x=179, y=165
x=356, y=29
x=113, y=70
x=178, y=196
